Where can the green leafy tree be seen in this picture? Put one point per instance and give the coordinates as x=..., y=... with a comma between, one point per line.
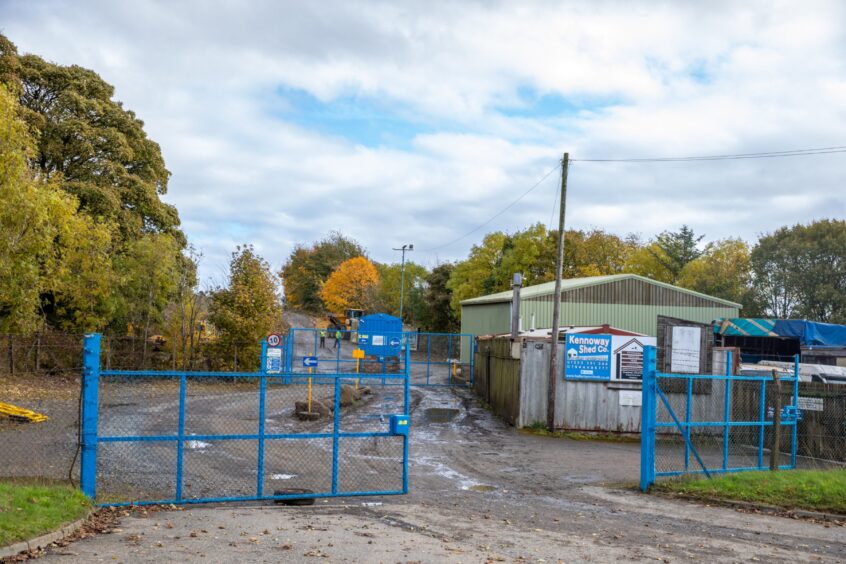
x=475, y=276
x=306, y=269
x=246, y=310
x=388, y=292
x=800, y=271
x=95, y=148
x=664, y=258
x=54, y=262
x=439, y=315
x=149, y=272
x=723, y=271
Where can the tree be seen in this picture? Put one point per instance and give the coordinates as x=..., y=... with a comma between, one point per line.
x=723, y=271
x=186, y=314
x=439, y=315
x=474, y=276
x=94, y=148
x=149, y=272
x=351, y=285
x=801, y=271
x=306, y=269
x=387, y=297
x=54, y=262
x=665, y=257
x=247, y=309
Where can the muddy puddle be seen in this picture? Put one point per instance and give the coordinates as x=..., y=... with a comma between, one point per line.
x=441, y=414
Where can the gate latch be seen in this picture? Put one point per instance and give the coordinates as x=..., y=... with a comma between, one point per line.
x=400, y=424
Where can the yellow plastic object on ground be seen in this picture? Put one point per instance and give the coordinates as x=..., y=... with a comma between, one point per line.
x=16, y=412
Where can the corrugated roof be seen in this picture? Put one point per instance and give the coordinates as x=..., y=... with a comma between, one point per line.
x=548, y=288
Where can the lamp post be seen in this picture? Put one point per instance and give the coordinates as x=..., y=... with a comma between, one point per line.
x=409, y=247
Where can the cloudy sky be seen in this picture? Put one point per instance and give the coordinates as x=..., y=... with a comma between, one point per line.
x=416, y=122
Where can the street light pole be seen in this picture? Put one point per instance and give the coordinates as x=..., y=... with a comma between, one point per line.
x=409, y=247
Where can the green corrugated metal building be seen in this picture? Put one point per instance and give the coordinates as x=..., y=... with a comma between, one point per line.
x=626, y=301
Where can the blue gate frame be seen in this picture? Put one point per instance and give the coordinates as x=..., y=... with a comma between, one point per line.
x=293, y=357
x=652, y=394
x=399, y=425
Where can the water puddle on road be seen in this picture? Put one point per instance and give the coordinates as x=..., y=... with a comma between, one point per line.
x=479, y=488
x=441, y=414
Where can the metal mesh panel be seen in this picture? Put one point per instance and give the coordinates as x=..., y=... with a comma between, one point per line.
x=219, y=469
x=301, y=464
x=138, y=470
x=370, y=464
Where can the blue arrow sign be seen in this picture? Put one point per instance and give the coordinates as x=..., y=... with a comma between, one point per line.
x=309, y=361
x=395, y=342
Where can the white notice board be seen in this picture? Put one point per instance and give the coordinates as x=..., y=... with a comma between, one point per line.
x=685, y=355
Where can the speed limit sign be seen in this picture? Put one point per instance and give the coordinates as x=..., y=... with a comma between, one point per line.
x=273, y=340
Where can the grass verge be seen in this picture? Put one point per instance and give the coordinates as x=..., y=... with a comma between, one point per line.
x=814, y=490
x=541, y=431
x=29, y=510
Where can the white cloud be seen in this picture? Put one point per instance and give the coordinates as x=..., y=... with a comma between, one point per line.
x=642, y=79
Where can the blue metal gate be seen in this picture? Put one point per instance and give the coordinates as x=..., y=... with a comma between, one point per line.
x=711, y=424
x=151, y=437
x=434, y=359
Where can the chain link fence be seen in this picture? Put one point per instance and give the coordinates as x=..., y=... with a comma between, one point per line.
x=759, y=419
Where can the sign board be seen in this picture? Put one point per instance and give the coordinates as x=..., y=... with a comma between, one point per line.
x=309, y=361
x=358, y=353
x=631, y=398
x=273, y=361
x=395, y=342
x=378, y=340
x=810, y=404
x=587, y=356
x=685, y=352
x=363, y=339
x=274, y=340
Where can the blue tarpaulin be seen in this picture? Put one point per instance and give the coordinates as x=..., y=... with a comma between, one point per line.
x=812, y=334
x=808, y=333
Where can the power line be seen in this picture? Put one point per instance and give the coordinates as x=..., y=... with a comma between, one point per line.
x=499, y=213
x=763, y=155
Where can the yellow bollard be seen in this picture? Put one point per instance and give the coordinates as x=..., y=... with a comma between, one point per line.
x=454, y=368
x=357, y=361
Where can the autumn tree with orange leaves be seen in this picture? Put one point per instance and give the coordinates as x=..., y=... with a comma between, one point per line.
x=351, y=285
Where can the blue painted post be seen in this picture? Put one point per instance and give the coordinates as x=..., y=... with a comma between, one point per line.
x=428, y=356
x=406, y=400
x=793, y=441
x=763, y=420
x=648, y=419
x=449, y=357
x=336, y=429
x=472, y=360
x=180, y=441
x=726, y=413
x=261, y=416
x=263, y=367
x=90, y=415
x=687, y=424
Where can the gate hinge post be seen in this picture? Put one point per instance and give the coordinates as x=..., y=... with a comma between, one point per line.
x=89, y=415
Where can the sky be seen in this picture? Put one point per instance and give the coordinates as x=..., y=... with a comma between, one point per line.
x=418, y=122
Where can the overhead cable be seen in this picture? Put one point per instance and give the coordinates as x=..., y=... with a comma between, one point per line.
x=499, y=213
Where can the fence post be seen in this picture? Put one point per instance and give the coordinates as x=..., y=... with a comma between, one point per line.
x=406, y=394
x=89, y=415
x=775, y=446
x=794, y=439
x=647, y=419
x=727, y=409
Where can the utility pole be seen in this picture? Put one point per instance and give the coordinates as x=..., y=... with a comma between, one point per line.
x=409, y=247
x=516, y=284
x=556, y=304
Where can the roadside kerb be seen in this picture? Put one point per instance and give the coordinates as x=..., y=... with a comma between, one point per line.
x=41, y=541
